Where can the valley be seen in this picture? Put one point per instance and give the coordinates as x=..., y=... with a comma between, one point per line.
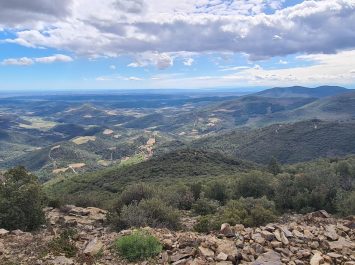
x=53, y=135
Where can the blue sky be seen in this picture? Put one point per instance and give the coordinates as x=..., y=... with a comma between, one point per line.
x=137, y=44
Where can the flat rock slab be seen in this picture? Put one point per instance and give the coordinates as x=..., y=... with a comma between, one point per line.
x=269, y=258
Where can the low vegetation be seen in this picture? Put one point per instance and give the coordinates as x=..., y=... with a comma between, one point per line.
x=63, y=244
x=138, y=246
x=21, y=201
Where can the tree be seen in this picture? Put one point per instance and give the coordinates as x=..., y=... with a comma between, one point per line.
x=346, y=174
x=254, y=184
x=217, y=191
x=274, y=166
x=21, y=201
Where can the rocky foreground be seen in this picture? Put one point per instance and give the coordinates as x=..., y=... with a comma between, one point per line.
x=315, y=238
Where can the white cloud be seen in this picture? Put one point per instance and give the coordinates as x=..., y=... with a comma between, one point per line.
x=283, y=62
x=113, y=67
x=25, y=61
x=188, y=61
x=171, y=27
x=164, y=61
x=54, y=58
x=323, y=69
x=160, y=60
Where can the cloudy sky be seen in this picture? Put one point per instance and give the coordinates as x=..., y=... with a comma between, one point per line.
x=124, y=44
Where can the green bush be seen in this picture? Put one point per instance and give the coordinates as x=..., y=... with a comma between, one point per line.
x=204, y=206
x=345, y=203
x=152, y=212
x=202, y=225
x=254, y=184
x=217, y=191
x=248, y=211
x=64, y=244
x=138, y=246
x=136, y=193
x=206, y=224
x=21, y=201
x=179, y=196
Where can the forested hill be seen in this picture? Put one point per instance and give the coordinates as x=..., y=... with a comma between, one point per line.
x=289, y=143
x=299, y=91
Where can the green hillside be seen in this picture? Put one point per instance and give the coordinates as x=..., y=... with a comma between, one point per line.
x=184, y=165
x=299, y=91
x=288, y=143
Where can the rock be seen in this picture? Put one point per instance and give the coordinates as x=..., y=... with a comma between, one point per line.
x=299, y=262
x=340, y=244
x=334, y=255
x=268, y=258
x=222, y=257
x=61, y=260
x=299, y=234
x=17, y=232
x=167, y=244
x=331, y=233
x=267, y=235
x=227, y=230
x=316, y=259
x=227, y=247
x=205, y=252
x=280, y=236
x=320, y=214
x=224, y=263
x=349, y=263
x=3, y=232
x=2, y=248
x=258, y=238
x=285, y=230
x=276, y=244
x=179, y=262
x=93, y=247
x=239, y=227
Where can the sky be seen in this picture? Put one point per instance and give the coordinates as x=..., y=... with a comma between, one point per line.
x=180, y=44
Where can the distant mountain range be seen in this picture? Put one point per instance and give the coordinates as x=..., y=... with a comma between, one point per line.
x=300, y=91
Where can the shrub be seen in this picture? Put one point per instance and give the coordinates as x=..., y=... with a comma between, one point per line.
x=137, y=246
x=64, y=244
x=203, y=225
x=204, y=206
x=274, y=167
x=179, y=196
x=152, y=212
x=21, y=201
x=196, y=189
x=345, y=203
x=248, y=211
x=134, y=193
x=254, y=184
x=217, y=191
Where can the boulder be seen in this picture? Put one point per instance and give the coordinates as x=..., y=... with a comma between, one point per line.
x=205, y=252
x=269, y=258
x=226, y=230
x=3, y=232
x=222, y=257
x=93, y=247
x=267, y=235
x=341, y=243
x=316, y=259
x=320, y=214
x=331, y=233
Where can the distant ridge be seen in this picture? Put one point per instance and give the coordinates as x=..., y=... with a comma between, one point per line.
x=300, y=91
